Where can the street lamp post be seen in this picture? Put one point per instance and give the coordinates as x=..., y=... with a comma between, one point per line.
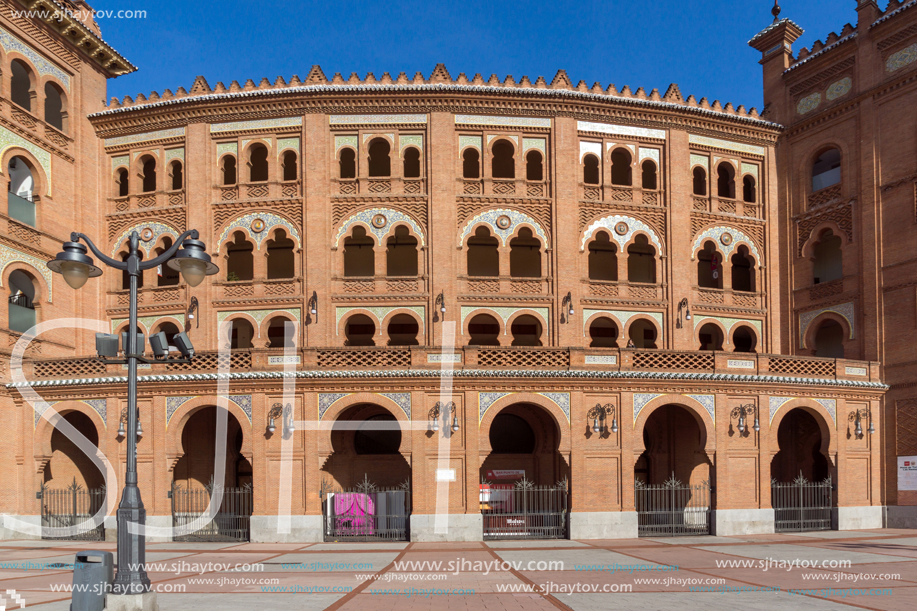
x=77, y=267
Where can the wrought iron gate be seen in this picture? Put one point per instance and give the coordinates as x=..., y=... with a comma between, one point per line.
x=672, y=509
x=366, y=513
x=802, y=505
x=525, y=511
x=232, y=521
x=69, y=507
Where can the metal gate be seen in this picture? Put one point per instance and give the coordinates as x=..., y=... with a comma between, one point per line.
x=672, y=509
x=69, y=507
x=232, y=521
x=801, y=505
x=366, y=512
x=525, y=511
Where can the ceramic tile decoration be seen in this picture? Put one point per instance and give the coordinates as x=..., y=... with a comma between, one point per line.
x=271, y=221
x=284, y=359
x=265, y=141
x=326, y=399
x=158, y=229
x=120, y=160
x=611, y=146
x=646, y=153
x=740, y=364
x=640, y=401
x=486, y=399
x=490, y=219
x=152, y=152
x=9, y=140
x=472, y=141
x=162, y=134
x=855, y=371
x=839, y=88
x=774, y=404
x=750, y=168
x=444, y=358
x=375, y=119
x=716, y=234
x=728, y=323
x=502, y=121
x=402, y=399
x=623, y=316
x=178, y=153
x=633, y=226
x=172, y=405
x=709, y=403
x=830, y=406
x=601, y=359
x=586, y=147
x=244, y=402
x=621, y=130
x=846, y=310
x=342, y=141
x=410, y=140
x=287, y=143
x=227, y=147
x=234, y=126
x=562, y=399
x=902, y=58
x=392, y=219
x=535, y=143
x=148, y=323
x=726, y=145
x=490, y=138
x=260, y=315
x=99, y=405
x=9, y=42
x=701, y=160
x=505, y=313
x=390, y=136
x=380, y=312
x=808, y=103
x=11, y=255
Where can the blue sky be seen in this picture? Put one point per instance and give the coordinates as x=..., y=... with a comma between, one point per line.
x=699, y=44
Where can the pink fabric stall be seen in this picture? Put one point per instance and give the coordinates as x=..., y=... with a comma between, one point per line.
x=354, y=512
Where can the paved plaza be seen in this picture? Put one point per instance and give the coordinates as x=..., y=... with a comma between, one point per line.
x=874, y=569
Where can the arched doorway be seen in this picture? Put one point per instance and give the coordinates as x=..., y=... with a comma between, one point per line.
x=523, y=490
x=801, y=484
x=194, y=483
x=673, y=475
x=366, y=492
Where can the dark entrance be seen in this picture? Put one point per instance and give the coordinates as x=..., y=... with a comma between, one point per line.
x=366, y=513
x=525, y=511
x=232, y=521
x=802, y=493
x=71, y=507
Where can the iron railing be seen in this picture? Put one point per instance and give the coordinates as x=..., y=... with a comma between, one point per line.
x=72, y=507
x=801, y=505
x=672, y=509
x=525, y=511
x=366, y=512
x=232, y=521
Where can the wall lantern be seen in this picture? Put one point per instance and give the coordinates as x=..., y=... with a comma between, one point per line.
x=683, y=305
x=285, y=413
x=122, y=433
x=444, y=409
x=741, y=412
x=857, y=416
x=599, y=414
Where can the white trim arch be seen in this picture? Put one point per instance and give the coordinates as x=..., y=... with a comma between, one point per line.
x=516, y=218
x=392, y=218
x=270, y=222
x=632, y=226
x=158, y=229
x=718, y=236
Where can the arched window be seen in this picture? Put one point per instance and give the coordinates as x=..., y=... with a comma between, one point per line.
x=603, y=333
x=370, y=440
x=700, y=181
x=483, y=256
x=828, y=262
x=649, y=175
x=21, y=306
x=749, y=192
x=148, y=176
x=526, y=331
x=359, y=257
x=483, y=330
x=591, y=170
x=125, y=277
x=709, y=267
x=412, y=163
x=380, y=161
x=280, y=257
x=229, y=170
x=176, y=175
x=503, y=165
x=55, y=107
x=826, y=171
x=19, y=199
x=725, y=181
x=525, y=255
x=511, y=434
x=359, y=331
x=257, y=163
x=280, y=334
x=241, y=335
x=620, y=168
x=642, y=334
x=348, y=164
x=471, y=163
x=829, y=340
x=240, y=261
x=288, y=161
x=603, y=258
x=534, y=169
x=21, y=89
x=401, y=253
x=711, y=337
x=122, y=180
x=641, y=261
x=165, y=275
x=743, y=270
x=744, y=339
x=402, y=330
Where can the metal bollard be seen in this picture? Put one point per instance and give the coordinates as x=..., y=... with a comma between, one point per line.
x=93, y=572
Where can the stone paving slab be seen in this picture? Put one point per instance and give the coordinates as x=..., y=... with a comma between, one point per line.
x=534, y=544
x=339, y=547
x=378, y=560
x=571, y=558
x=707, y=540
x=801, y=552
x=833, y=534
x=708, y=601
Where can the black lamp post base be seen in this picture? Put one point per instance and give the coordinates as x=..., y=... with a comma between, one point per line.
x=132, y=602
x=131, y=578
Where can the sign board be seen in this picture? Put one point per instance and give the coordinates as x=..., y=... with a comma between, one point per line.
x=505, y=474
x=445, y=475
x=907, y=473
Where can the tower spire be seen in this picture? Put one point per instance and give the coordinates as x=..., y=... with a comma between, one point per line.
x=776, y=11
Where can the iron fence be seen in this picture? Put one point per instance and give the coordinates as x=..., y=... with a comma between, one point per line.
x=366, y=512
x=232, y=521
x=802, y=505
x=672, y=509
x=72, y=507
x=525, y=511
